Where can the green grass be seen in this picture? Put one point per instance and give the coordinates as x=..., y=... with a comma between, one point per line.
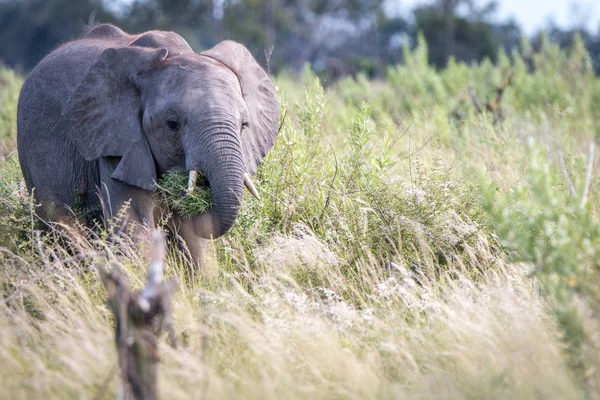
x=10, y=85
x=406, y=246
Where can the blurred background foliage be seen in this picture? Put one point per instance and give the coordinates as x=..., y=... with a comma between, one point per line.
x=336, y=37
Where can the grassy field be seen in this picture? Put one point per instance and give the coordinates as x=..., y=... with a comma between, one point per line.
x=419, y=237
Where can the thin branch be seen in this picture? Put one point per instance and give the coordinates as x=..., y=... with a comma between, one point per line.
x=283, y=203
x=282, y=121
x=588, y=174
x=417, y=151
x=475, y=100
x=493, y=106
x=331, y=185
x=563, y=169
x=268, y=56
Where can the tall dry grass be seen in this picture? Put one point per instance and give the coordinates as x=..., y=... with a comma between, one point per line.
x=406, y=335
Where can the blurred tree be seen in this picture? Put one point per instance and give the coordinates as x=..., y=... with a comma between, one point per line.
x=303, y=31
x=565, y=37
x=467, y=36
x=29, y=29
x=193, y=19
x=336, y=37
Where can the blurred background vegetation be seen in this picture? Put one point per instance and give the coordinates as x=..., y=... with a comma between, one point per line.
x=336, y=37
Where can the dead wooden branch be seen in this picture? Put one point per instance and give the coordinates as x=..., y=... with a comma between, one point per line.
x=140, y=319
x=495, y=106
x=475, y=100
x=492, y=106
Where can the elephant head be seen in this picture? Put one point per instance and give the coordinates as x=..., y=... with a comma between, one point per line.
x=215, y=112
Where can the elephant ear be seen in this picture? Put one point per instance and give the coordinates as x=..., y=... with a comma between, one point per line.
x=103, y=114
x=258, y=93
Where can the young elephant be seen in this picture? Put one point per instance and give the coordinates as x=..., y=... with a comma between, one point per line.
x=101, y=118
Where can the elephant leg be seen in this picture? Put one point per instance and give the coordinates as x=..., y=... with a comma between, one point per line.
x=127, y=209
x=197, y=246
x=63, y=221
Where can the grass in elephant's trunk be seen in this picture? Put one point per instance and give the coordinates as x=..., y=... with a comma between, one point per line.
x=172, y=188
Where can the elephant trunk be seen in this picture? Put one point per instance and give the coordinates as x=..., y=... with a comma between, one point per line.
x=217, y=153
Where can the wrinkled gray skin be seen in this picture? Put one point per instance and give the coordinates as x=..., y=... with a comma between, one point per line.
x=101, y=118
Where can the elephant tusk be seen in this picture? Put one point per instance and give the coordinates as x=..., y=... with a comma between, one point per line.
x=248, y=183
x=192, y=180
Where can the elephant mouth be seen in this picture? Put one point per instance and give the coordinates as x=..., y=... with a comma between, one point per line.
x=172, y=191
x=211, y=206
x=193, y=183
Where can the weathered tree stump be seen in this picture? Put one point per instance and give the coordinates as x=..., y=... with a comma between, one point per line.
x=140, y=319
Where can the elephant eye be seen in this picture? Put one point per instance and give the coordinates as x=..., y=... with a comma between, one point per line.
x=244, y=126
x=172, y=125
